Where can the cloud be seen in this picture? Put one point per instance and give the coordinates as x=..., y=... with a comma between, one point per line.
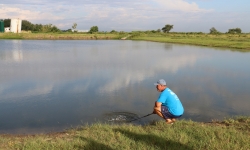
x=7, y=11
x=180, y=5
x=29, y=92
x=116, y=14
x=22, y=2
x=126, y=77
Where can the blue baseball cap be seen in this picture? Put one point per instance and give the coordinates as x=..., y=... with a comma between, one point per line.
x=161, y=82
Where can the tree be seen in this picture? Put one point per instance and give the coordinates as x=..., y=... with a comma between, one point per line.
x=26, y=25
x=49, y=28
x=74, y=26
x=37, y=27
x=44, y=28
x=153, y=31
x=167, y=28
x=6, y=22
x=236, y=30
x=213, y=31
x=69, y=30
x=54, y=29
x=113, y=31
x=93, y=29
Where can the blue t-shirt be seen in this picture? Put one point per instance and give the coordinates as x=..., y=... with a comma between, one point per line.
x=169, y=99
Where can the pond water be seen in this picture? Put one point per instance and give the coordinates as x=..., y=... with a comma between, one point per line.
x=48, y=86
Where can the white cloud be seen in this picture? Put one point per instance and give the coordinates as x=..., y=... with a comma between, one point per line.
x=8, y=11
x=180, y=5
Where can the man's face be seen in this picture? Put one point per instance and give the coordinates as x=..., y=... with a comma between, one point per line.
x=159, y=87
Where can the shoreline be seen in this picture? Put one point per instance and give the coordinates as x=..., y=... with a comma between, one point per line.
x=52, y=133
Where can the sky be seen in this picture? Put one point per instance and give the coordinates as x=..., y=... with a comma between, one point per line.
x=133, y=15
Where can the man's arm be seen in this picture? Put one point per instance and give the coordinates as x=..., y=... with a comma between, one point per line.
x=157, y=104
x=157, y=107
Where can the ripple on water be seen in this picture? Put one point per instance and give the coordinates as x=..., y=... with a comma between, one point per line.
x=120, y=116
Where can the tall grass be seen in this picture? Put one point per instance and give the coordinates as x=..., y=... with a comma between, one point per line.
x=60, y=36
x=186, y=135
x=10, y=36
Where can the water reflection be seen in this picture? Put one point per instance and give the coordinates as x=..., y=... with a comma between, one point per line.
x=13, y=52
x=17, y=56
x=138, y=73
x=60, y=84
x=168, y=46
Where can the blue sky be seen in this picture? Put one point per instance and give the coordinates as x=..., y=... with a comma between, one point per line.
x=131, y=15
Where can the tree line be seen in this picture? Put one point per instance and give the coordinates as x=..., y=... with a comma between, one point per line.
x=28, y=26
x=169, y=27
x=231, y=31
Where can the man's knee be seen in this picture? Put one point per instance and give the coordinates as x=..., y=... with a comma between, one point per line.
x=157, y=110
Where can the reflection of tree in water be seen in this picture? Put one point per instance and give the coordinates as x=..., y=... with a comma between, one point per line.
x=168, y=46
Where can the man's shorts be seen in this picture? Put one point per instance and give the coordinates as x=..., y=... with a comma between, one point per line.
x=167, y=114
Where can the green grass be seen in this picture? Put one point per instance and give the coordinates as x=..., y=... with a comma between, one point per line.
x=233, y=41
x=186, y=135
x=60, y=36
x=10, y=36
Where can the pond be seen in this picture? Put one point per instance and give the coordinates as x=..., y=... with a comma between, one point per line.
x=52, y=85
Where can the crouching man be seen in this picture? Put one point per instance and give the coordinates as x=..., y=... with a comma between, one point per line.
x=168, y=106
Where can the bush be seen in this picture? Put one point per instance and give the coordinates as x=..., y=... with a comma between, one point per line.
x=233, y=31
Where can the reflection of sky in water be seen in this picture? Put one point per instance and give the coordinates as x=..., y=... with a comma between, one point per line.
x=50, y=85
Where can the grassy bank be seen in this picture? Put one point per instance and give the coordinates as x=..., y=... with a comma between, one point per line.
x=60, y=36
x=234, y=41
x=186, y=135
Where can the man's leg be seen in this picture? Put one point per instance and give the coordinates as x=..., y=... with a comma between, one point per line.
x=157, y=111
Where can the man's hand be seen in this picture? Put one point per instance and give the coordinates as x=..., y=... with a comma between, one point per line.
x=157, y=107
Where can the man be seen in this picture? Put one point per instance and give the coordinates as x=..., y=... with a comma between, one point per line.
x=168, y=106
